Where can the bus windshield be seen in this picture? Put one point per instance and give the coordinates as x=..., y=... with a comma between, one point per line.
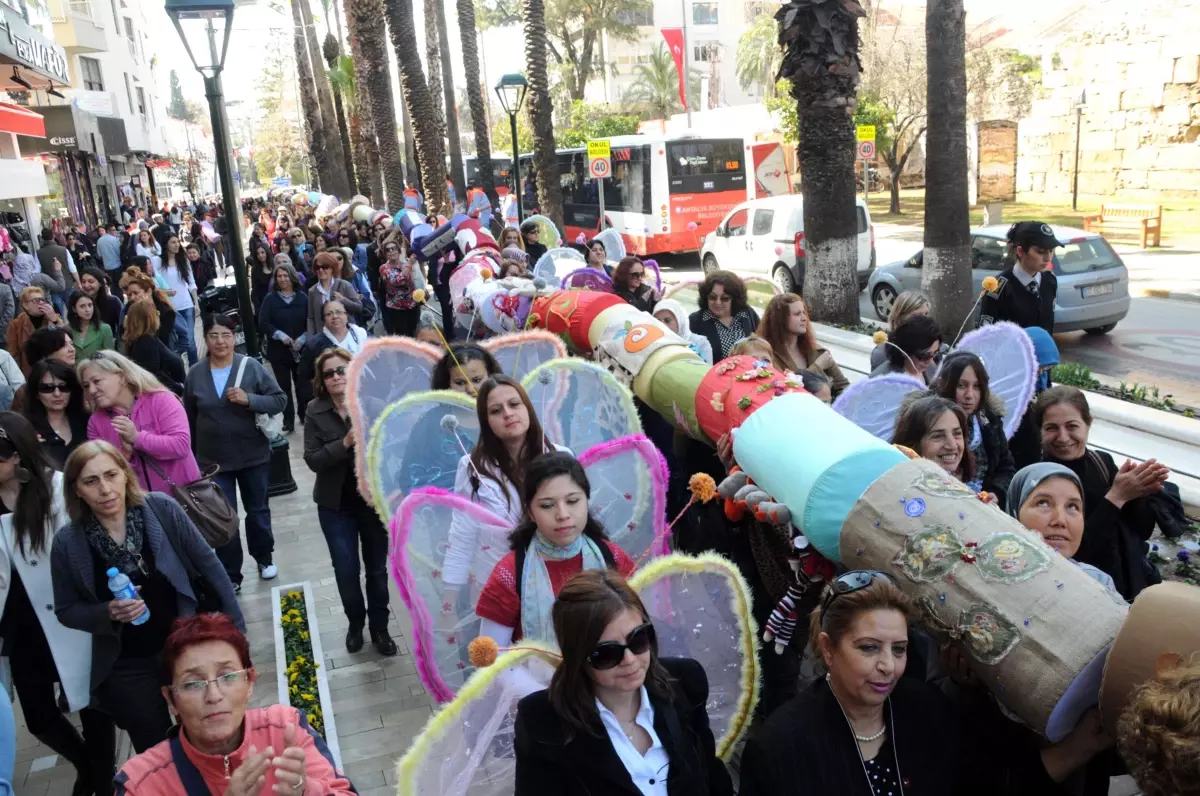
x=705, y=166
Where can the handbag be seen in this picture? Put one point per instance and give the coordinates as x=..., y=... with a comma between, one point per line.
x=270, y=425
x=205, y=504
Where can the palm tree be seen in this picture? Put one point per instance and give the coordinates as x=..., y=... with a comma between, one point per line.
x=318, y=151
x=358, y=126
x=453, y=137
x=656, y=87
x=820, y=38
x=431, y=152
x=374, y=93
x=433, y=62
x=757, y=60
x=410, y=151
x=475, y=98
x=541, y=112
x=332, y=52
x=946, y=273
x=340, y=181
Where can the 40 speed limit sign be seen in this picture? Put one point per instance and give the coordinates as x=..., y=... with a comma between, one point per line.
x=599, y=168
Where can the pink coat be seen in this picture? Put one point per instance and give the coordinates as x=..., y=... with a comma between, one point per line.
x=163, y=437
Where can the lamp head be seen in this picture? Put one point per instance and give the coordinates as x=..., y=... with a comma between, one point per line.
x=205, y=27
x=511, y=90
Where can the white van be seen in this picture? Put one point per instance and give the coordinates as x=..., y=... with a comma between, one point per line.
x=765, y=237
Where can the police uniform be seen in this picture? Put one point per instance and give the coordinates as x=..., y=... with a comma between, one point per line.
x=1018, y=298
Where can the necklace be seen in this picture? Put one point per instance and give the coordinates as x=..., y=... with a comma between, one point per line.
x=857, y=737
x=861, y=761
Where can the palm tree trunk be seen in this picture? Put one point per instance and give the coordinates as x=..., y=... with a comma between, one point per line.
x=332, y=51
x=433, y=62
x=431, y=151
x=368, y=47
x=946, y=272
x=366, y=157
x=541, y=113
x=318, y=152
x=339, y=181
x=475, y=97
x=822, y=61
x=410, y=151
x=453, y=137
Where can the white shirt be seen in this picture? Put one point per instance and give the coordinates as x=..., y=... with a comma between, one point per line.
x=1024, y=277
x=152, y=251
x=182, y=298
x=355, y=338
x=649, y=773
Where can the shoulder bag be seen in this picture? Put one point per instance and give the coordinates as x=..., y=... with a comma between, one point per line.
x=270, y=425
x=205, y=505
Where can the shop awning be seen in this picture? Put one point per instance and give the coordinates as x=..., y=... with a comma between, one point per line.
x=22, y=121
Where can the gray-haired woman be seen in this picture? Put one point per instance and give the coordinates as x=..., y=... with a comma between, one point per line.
x=283, y=319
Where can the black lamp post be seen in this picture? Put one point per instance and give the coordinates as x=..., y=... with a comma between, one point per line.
x=205, y=27
x=511, y=91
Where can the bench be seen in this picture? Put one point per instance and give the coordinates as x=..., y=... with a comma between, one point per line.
x=1143, y=219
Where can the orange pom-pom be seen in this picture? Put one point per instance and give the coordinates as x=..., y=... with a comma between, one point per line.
x=879, y=337
x=909, y=452
x=990, y=283
x=419, y=296
x=702, y=487
x=482, y=651
x=485, y=273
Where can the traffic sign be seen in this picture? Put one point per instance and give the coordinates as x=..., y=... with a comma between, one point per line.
x=865, y=132
x=599, y=167
x=866, y=150
x=599, y=149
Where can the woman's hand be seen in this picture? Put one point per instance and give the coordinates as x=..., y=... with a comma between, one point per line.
x=289, y=766
x=125, y=611
x=125, y=429
x=348, y=440
x=237, y=395
x=1137, y=480
x=1085, y=741
x=251, y=775
x=725, y=452
x=958, y=666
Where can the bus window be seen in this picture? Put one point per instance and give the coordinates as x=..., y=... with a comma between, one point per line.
x=629, y=188
x=706, y=166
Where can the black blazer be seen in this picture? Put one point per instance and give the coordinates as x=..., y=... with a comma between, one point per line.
x=747, y=319
x=587, y=765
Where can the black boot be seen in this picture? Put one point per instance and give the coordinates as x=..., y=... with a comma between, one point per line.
x=354, y=639
x=383, y=643
x=64, y=739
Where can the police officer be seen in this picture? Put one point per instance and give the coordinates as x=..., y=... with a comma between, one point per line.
x=1027, y=289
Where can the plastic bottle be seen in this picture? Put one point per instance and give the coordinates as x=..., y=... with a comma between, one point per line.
x=122, y=589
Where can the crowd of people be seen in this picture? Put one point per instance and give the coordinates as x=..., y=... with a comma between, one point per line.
x=107, y=425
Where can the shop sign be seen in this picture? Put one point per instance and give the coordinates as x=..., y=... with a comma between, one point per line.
x=22, y=43
x=63, y=140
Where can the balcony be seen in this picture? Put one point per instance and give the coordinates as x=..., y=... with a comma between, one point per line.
x=76, y=26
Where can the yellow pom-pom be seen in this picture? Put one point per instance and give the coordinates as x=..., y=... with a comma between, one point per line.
x=990, y=283
x=879, y=337
x=702, y=487
x=419, y=296
x=482, y=651
x=485, y=273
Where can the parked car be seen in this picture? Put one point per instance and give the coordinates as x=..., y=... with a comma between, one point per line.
x=1093, y=285
x=766, y=237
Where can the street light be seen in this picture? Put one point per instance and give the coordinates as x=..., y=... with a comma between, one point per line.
x=1080, y=101
x=511, y=91
x=205, y=27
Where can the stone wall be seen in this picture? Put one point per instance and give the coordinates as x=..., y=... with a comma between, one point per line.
x=1141, y=119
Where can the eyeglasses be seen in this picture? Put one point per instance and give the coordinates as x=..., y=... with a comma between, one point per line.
x=926, y=356
x=723, y=298
x=636, y=274
x=324, y=267
x=340, y=370
x=850, y=582
x=223, y=683
x=50, y=389
x=219, y=336
x=610, y=653
x=335, y=314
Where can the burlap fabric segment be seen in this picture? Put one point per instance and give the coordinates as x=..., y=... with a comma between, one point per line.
x=1028, y=618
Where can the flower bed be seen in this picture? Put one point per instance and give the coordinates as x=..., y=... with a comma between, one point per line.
x=298, y=661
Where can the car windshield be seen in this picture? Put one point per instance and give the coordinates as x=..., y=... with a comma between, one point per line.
x=1085, y=254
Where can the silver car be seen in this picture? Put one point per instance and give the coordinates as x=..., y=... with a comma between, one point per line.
x=1093, y=285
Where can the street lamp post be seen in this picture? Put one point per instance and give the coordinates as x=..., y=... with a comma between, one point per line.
x=511, y=91
x=200, y=23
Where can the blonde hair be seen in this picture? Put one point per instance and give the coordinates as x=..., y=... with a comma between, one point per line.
x=758, y=347
x=79, y=458
x=906, y=304
x=141, y=319
x=140, y=380
x=32, y=290
x=1158, y=733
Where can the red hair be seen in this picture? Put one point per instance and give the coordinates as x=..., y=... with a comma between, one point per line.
x=188, y=631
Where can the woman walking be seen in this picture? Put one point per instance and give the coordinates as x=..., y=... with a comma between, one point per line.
x=283, y=319
x=181, y=288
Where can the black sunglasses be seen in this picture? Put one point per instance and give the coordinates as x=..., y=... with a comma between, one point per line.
x=49, y=389
x=340, y=370
x=609, y=654
x=850, y=582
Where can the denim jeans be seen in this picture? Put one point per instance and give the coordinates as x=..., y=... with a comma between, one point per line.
x=345, y=529
x=185, y=334
x=253, y=483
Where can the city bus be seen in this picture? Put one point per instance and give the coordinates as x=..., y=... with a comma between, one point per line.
x=666, y=192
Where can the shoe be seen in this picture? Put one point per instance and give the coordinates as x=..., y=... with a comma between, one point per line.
x=267, y=571
x=383, y=643
x=288, y=429
x=354, y=639
x=237, y=588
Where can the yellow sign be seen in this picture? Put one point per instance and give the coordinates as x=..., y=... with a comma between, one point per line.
x=599, y=149
x=866, y=132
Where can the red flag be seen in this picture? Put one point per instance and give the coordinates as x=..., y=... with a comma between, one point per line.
x=674, y=37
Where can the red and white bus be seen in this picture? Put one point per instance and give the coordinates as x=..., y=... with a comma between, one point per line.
x=666, y=192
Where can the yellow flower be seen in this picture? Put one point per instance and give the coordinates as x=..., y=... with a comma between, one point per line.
x=304, y=635
x=292, y=677
x=312, y=720
x=879, y=337
x=307, y=697
x=295, y=595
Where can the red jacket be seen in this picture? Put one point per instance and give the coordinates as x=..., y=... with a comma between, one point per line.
x=154, y=772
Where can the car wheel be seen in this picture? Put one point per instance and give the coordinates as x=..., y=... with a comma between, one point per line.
x=783, y=279
x=709, y=265
x=1105, y=329
x=882, y=298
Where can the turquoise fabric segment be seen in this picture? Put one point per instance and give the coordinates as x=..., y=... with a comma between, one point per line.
x=812, y=460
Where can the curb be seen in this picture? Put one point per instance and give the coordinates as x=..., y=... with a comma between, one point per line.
x=1174, y=295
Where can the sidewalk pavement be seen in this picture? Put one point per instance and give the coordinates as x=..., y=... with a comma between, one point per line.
x=379, y=703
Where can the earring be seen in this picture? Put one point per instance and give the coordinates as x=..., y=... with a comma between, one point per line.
x=22, y=475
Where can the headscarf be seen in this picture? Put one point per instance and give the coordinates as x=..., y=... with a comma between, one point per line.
x=1046, y=351
x=698, y=342
x=24, y=267
x=515, y=254
x=1027, y=479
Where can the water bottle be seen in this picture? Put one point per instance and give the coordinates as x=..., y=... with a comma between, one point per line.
x=122, y=589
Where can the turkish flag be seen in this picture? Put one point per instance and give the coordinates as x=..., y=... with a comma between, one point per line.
x=674, y=37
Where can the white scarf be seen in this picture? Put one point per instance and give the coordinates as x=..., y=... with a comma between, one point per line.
x=537, y=595
x=353, y=342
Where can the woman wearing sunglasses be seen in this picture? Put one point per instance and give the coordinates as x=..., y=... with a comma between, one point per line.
x=347, y=522
x=329, y=286
x=616, y=718
x=629, y=282
x=56, y=410
x=398, y=278
x=724, y=316
x=913, y=349
x=557, y=539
